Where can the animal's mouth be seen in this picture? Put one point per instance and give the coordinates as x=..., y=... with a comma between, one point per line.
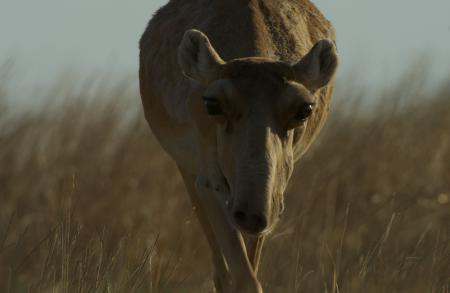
x=234, y=218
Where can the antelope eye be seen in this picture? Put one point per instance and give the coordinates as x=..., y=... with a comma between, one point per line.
x=304, y=112
x=213, y=106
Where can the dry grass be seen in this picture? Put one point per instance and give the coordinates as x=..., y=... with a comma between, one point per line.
x=90, y=203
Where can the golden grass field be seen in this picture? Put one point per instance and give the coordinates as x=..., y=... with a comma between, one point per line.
x=90, y=203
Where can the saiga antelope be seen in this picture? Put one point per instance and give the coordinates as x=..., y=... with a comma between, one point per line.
x=236, y=91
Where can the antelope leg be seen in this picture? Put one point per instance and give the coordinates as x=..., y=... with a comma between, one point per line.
x=222, y=280
x=229, y=238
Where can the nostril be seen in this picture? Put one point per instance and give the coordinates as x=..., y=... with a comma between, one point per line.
x=250, y=223
x=240, y=217
x=258, y=222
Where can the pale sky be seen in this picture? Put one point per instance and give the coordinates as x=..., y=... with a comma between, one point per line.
x=45, y=37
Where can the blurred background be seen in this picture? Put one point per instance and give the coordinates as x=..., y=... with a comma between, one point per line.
x=47, y=37
x=90, y=203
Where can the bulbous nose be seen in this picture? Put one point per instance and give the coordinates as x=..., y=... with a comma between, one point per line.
x=249, y=221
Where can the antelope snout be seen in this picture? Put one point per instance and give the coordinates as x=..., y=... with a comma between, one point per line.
x=248, y=220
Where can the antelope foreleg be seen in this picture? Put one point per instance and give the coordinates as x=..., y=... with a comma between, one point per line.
x=254, y=248
x=229, y=239
x=222, y=280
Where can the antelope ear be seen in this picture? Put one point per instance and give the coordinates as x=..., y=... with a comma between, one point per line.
x=197, y=57
x=317, y=67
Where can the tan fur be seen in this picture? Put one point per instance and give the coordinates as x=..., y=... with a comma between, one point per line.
x=252, y=56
